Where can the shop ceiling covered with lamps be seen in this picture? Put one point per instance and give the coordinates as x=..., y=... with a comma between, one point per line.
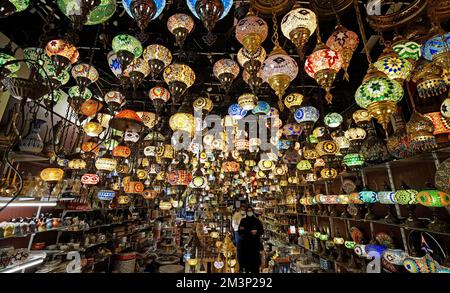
x=175, y=107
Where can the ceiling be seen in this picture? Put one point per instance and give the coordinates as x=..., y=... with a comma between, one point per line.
x=94, y=42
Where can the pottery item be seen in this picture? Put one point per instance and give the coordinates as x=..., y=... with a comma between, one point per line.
x=32, y=143
x=425, y=264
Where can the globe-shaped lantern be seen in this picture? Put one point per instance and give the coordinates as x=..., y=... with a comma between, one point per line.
x=158, y=58
x=293, y=101
x=436, y=49
x=205, y=105
x=182, y=121
x=307, y=116
x=407, y=49
x=362, y=118
x=251, y=31
x=137, y=71
x=323, y=65
x=236, y=111
x=262, y=108
x=279, y=70
x=226, y=70
x=87, y=12
x=84, y=75
x=379, y=95
x=62, y=54
x=393, y=66
x=247, y=101
x=209, y=11
x=127, y=49
x=10, y=7
x=159, y=96
x=116, y=67
x=114, y=100
x=179, y=77
x=345, y=42
x=144, y=11
x=333, y=120
x=298, y=25
x=251, y=62
x=354, y=161
x=126, y=120
x=180, y=25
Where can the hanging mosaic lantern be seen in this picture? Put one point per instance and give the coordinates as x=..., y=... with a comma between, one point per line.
x=393, y=66
x=159, y=97
x=345, y=42
x=298, y=25
x=323, y=65
x=87, y=12
x=180, y=25
x=247, y=101
x=307, y=116
x=251, y=32
x=379, y=95
x=62, y=54
x=179, y=77
x=279, y=70
x=209, y=11
x=293, y=101
x=158, y=58
x=333, y=120
x=127, y=49
x=226, y=70
x=137, y=71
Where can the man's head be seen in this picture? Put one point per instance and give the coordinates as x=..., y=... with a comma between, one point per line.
x=250, y=212
x=243, y=209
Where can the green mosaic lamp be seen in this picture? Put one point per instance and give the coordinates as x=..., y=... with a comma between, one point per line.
x=9, y=7
x=434, y=199
x=379, y=95
x=407, y=196
x=127, y=49
x=83, y=12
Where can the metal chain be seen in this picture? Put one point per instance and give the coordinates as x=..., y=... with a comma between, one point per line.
x=275, y=27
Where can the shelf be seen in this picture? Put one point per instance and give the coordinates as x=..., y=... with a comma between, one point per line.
x=29, y=203
x=101, y=226
x=18, y=156
x=33, y=260
x=94, y=210
x=29, y=234
x=381, y=222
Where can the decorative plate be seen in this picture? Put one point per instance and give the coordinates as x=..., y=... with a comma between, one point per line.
x=442, y=177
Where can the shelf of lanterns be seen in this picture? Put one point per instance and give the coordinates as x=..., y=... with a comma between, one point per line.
x=381, y=222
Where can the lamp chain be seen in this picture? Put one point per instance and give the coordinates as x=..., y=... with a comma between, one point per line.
x=275, y=27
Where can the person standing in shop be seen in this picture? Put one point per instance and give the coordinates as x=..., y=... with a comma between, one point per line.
x=237, y=239
x=251, y=229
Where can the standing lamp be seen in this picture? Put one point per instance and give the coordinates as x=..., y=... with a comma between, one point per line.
x=407, y=196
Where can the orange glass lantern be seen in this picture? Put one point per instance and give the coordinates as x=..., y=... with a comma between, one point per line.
x=90, y=107
x=127, y=120
x=90, y=147
x=121, y=151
